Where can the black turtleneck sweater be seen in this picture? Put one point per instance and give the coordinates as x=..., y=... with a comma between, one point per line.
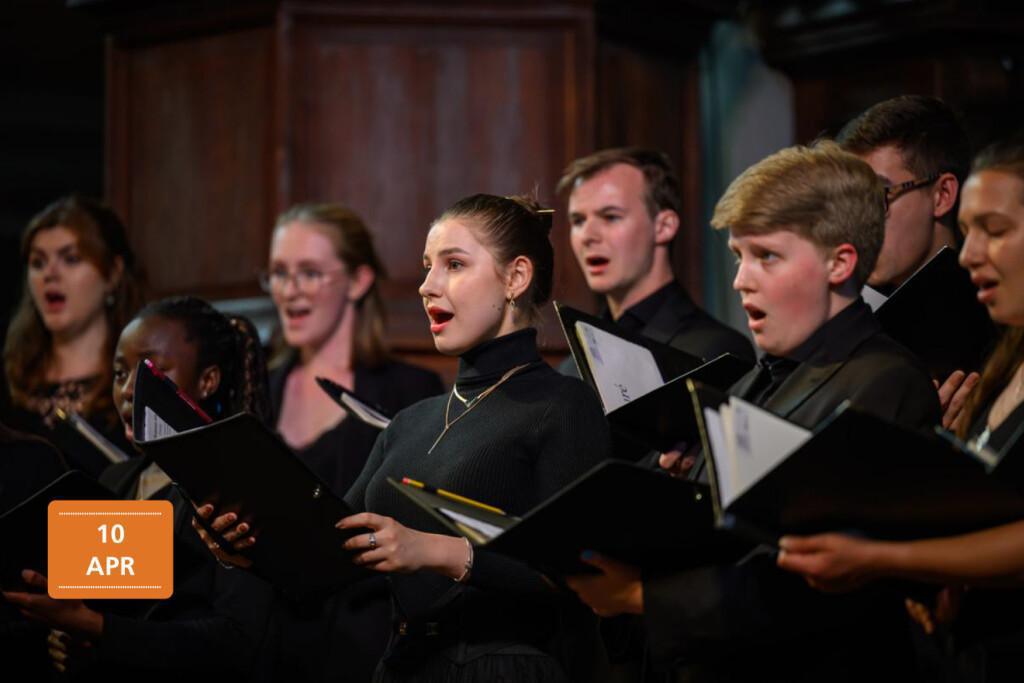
x=513, y=449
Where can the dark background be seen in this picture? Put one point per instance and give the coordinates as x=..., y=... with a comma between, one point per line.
x=200, y=121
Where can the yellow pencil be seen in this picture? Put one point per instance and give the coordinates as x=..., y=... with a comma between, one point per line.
x=452, y=496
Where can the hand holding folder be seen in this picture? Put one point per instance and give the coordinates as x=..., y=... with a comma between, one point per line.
x=239, y=466
x=618, y=509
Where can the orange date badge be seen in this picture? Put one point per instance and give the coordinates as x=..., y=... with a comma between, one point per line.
x=110, y=549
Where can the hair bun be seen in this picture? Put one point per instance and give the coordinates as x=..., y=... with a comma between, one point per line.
x=543, y=216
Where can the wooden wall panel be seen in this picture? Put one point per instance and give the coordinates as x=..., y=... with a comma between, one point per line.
x=986, y=87
x=400, y=118
x=189, y=146
x=653, y=100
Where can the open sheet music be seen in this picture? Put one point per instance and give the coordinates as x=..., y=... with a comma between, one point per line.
x=355, y=405
x=854, y=472
x=608, y=510
x=628, y=373
x=622, y=371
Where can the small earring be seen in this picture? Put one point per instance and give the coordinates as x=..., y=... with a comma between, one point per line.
x=511, y=301
x=109, y=300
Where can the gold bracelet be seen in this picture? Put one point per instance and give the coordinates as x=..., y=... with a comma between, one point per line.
x=468, y=567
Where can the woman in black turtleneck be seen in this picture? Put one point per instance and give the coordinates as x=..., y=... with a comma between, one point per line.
x=512, y=432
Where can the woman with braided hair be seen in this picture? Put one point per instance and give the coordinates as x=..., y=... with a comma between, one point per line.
x=215, y=619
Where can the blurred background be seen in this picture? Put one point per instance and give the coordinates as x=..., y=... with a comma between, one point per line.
x=201, y=121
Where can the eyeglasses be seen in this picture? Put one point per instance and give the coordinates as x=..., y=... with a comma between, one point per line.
x=308, y=281
x=894, y=192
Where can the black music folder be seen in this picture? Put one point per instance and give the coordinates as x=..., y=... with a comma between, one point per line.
x=936, y=314
x=854, y=472
x=23, y=528
x=363, y=410
x=73, y=423
x=627, y=371
x=618, y=509
x=240, y=466
x=159, y=407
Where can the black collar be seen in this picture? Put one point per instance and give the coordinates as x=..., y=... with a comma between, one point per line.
x=835, y=339
x=487, y=362
x=640, y=314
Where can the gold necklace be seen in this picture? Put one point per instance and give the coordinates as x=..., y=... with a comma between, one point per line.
x=471, y=404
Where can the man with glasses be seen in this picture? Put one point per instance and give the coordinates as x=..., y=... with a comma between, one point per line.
x=917, y=146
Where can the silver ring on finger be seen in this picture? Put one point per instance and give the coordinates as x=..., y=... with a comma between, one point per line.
x=373, y=540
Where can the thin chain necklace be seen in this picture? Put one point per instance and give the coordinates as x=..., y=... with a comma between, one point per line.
x=473, y=403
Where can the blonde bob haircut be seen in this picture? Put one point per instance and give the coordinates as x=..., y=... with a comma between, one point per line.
x=827, y=196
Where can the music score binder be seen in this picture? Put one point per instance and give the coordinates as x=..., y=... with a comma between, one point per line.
x=659, y=419
x=240, y=466
x=361, y=409
x=617, y=508
x=74, y=422
x=936, y=314
x=854, y=472
x=23, y=528
x=159, y=407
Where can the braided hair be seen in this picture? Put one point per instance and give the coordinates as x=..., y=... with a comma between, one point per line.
x=229, y=342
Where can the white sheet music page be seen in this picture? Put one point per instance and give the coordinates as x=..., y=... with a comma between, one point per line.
x=154, y=427
x=365, y=412
x=488, y=531
x=759, y=441
x=725, y=475
x=872, y=297
x=623, y=371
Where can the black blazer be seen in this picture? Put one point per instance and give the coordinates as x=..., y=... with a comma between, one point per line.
x=865, y=366
x=751, y=620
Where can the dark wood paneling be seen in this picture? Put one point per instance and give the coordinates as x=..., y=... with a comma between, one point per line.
x=219, y=119
x=985, y=88
x=654, y=101
x=400, y=117
x=190, y=140
x=968, y=52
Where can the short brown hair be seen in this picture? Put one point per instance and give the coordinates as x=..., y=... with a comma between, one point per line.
x=660, y=181
x=925, y=130
x=820, y=192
